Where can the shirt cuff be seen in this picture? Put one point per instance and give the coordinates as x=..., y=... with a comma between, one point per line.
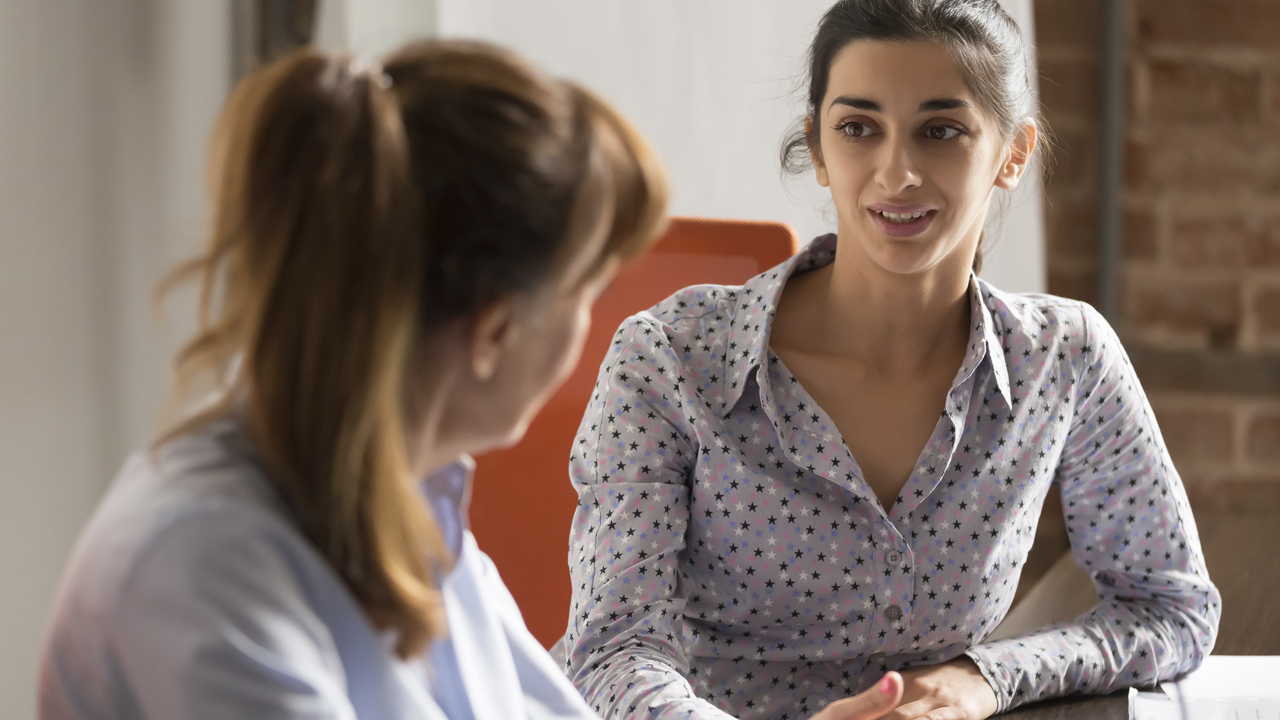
x=990, y=669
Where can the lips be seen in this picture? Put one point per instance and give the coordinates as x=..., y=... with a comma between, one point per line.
x=900, y=221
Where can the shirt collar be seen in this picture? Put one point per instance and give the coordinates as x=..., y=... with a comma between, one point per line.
x=984, y=338
x=752, y=322
x=448, y=492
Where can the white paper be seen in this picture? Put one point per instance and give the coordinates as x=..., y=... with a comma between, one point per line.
x=1231, y=676
x=1158, y=706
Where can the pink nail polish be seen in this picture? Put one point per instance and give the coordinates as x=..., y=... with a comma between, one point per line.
x=886, y=685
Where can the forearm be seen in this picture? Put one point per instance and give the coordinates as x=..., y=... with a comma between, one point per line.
x=1132, y=530
x=626, y=679
x=1119, y=643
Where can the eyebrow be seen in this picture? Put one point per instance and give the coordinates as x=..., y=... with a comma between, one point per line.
x=926, y=106
x=857, y=103
x=943, y=104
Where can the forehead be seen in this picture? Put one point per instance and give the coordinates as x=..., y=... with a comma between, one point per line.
x=896, y=75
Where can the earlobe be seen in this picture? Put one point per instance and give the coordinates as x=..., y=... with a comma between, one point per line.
x=1020, y=152
x=1009, y=174
x=489, y=337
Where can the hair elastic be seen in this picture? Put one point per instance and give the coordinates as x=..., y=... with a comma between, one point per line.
x=371, y=66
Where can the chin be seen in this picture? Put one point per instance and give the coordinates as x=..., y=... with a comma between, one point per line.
x=497, y=439
x=510, y=439
x=506, y=432
x=910, y=256
x=910, y=260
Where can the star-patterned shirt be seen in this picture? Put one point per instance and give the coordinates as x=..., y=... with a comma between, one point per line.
x=728, y=557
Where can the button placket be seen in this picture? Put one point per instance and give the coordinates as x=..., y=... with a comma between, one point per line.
x=894, y=613
x=875, y=662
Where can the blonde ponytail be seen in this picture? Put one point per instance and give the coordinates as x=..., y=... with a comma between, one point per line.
x=355, y=211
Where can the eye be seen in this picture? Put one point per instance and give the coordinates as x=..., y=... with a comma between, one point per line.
x=853, y=129
x=941, y=132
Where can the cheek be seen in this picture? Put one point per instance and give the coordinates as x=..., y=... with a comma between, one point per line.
x=848, y=181
x=963, y=180
x=551, y=360
x=540, y=367
x=973, y=171
x=845, y=166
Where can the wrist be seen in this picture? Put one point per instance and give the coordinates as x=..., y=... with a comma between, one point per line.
x=984, y=694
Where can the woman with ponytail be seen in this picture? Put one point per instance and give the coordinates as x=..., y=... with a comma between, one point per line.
x=401, y=270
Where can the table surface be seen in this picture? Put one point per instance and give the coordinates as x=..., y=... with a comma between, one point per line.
x=1243, y=554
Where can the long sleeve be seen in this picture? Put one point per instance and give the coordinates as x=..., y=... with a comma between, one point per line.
x=1131, y=528
x=631, y=465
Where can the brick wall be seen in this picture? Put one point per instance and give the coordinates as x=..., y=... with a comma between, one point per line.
x=1201, y=248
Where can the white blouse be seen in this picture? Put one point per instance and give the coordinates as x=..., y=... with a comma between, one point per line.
x=192, y=594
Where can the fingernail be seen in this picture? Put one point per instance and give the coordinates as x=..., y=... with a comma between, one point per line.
x=886, y=685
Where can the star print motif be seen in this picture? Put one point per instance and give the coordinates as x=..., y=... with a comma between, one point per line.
x=729, y=560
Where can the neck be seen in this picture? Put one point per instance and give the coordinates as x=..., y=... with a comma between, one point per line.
x=890, y=322
x=427, y=436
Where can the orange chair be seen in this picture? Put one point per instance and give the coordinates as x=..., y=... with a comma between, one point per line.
x=522, y=503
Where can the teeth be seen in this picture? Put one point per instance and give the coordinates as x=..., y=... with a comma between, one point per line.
x=902, y=217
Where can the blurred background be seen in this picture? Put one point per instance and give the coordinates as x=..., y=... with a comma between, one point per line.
x=1162, y=206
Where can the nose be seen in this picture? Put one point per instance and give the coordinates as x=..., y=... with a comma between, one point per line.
x=896, y=169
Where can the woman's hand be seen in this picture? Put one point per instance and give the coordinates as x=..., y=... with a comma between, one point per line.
x=867, y=705
x=952, y=691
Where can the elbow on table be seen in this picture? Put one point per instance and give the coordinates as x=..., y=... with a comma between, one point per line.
x=607, y=676
x=1195, y=619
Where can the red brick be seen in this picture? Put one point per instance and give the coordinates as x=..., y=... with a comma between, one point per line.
x=1274, y=91
x=1139, y=241
x=1068, y=23
x=1241, y=241
x=1069, y=88
x=1136, y=164
x=1200, y=93
x=1212, y=309
x=1074, y=284
x=1209, y=23
x=1071, y=231
x=1263, y=439
x=1196, y=437
x=1216, y=159
x=1266, y=312
x=1073, y=160
x=1236, y=494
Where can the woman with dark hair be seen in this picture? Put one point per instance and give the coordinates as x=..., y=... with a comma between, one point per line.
x=836, y=469
x=401, y=270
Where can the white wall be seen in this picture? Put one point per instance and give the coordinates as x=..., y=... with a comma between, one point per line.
x=157, y=193
x=373, y=27
x=51, y=404
x=102, y=133
x=714, y=86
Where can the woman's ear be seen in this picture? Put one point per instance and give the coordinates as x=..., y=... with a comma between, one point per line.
x=1019, y=156
x=815, y=152
x=489, y=334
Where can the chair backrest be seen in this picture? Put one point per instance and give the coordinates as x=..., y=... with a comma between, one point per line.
x=522, y=503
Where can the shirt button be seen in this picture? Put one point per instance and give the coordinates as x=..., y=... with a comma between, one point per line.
x=894, y=613
x=894, y=557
